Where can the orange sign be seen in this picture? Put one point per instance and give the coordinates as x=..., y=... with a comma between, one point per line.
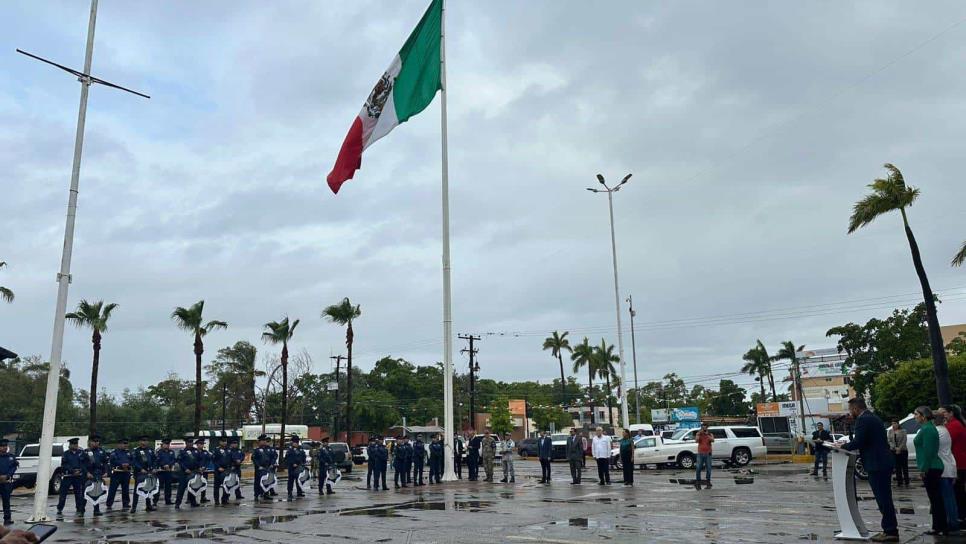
x=768, y=409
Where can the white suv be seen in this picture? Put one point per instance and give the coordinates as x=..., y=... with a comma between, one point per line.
x=735, y=444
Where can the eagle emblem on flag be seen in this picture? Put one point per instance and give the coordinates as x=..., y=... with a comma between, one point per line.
x=379, y=95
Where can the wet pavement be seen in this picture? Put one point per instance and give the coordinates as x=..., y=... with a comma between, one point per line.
x=767, y=504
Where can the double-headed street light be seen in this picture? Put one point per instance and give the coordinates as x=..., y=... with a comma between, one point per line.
x=625, y=418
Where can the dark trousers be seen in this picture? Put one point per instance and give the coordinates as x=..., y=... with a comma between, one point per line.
x=399, y=476
x=458, y=465
x=164, y=485
x=379, y=474
x=134, y=499
x=473, y=463
x=258, y=482
x=370, y=471
x=122, y=479
x=575, y=470
x=418, y=471
x=75, y=483
x=960, y=489
x=183, y=488
x=627, y=464
x=821, y=458
x=238, y=495
x=936, y=506
x=544, y=470
x=293, y=474
x=902, y=467
x=6, y=489
x=219, y=482
x=603, y=470
x=881, y=483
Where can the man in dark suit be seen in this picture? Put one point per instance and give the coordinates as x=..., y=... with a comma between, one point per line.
x=545, y=453
x=575, y=456
x=869, y=437
x=819, y=437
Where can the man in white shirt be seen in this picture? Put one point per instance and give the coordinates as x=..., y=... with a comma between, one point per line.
x=600, y=448
x=507, y=458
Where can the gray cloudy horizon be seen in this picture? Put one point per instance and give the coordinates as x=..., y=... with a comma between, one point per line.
x=750, y=130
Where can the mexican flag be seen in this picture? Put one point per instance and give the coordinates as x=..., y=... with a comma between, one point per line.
x=404, y=90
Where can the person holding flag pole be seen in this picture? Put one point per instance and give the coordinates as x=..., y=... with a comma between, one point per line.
x=406, y=88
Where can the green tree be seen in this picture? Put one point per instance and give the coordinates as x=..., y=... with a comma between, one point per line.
x=557, y=344
x=95, y=316
x=543, y=416
x=191, y=319
x=957, y=346
x=344, y=313
x=787, y=352
x=888, y=195
x=377, y=410
x=235, y=368
x=728, y=400
x=899, y=391
x=501, y=421
x=604, y=359
x=6, y=294
x=960, y=257
x=756, y=364
x=582, y=356
x=281, y=332
x=881, y=344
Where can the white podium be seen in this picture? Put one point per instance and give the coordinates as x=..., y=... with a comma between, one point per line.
x=843, y=486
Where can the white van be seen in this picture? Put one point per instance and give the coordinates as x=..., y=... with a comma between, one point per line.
x=647, y=428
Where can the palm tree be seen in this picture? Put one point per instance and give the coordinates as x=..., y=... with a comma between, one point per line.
x=755, y=367
x=558, y=343
x=191, y=319
x=604, y=359
x=766, y=361
x=343, y=314
x=280, y=332
x=94, y=316
x=583, y=355
x=888, y=195
x=788, y=353
x=6, y=295
x=958, y=258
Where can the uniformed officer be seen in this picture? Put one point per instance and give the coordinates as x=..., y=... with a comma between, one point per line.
x=188, y=459
x=380, y=460
x=99, y=464
x=401, y=460
x=294, y=463
x=237, y=456
x=144, y=463
x=74, y=464
x=325, y=463
x=165, y=460
x=370, y=464
x=488, y=449
x=120, y=462
x=205, y=464
x=473, y=459
x=436, y=451
x=273, y=455
x=419, y=461
x=262, y=460
x=221, y=461
x=8, y=467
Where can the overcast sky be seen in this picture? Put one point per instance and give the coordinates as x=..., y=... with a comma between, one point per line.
x=750, y=128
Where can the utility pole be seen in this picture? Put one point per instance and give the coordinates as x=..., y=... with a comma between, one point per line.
x=637, y=393
x=474, y=368
x=335, y=412
x=801, y=391
x=224, y=402
x=63, y=277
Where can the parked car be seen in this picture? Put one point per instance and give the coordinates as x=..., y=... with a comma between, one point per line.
x=652, y=450
x=527, y=447
x=29, y=459
x=735, y=444
x=360, y=454
x=341, y=456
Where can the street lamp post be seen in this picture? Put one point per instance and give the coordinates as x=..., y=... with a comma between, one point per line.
x=625, y=418
x=637, y=393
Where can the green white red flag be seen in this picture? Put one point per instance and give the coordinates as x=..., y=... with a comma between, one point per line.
x=405, y=89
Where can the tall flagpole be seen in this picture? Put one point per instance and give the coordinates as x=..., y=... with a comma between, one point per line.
x=63, y=282
x=450, y=429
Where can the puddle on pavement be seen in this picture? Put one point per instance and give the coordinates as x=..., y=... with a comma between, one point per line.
x=905, y=510
x=390, y=511
x=744, y=480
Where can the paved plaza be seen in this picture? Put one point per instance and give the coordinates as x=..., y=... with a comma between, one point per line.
x=765, y=503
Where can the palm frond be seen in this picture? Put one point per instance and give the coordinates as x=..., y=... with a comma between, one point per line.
x=960, y=258
x=342, y=313
x=189, y=319
x=6, y=294
x=213, y=325
x=888, y=194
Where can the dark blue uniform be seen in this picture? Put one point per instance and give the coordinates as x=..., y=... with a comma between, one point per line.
x=237, y=456
x=401, y=461
x=99, y=466
x=205, y=465
x=273, y=455
x=294, y=462
x=370, y=469
x=120, y=463
x=436, y=450
x=74, y=465
x=325, y=463
x=8, y=467
x=143, y=462
x=188, y=463
x=221, y=459
x=419, y=461
x=262, y=460
x=473, y=459
x=165, y=460
x=380, y=461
